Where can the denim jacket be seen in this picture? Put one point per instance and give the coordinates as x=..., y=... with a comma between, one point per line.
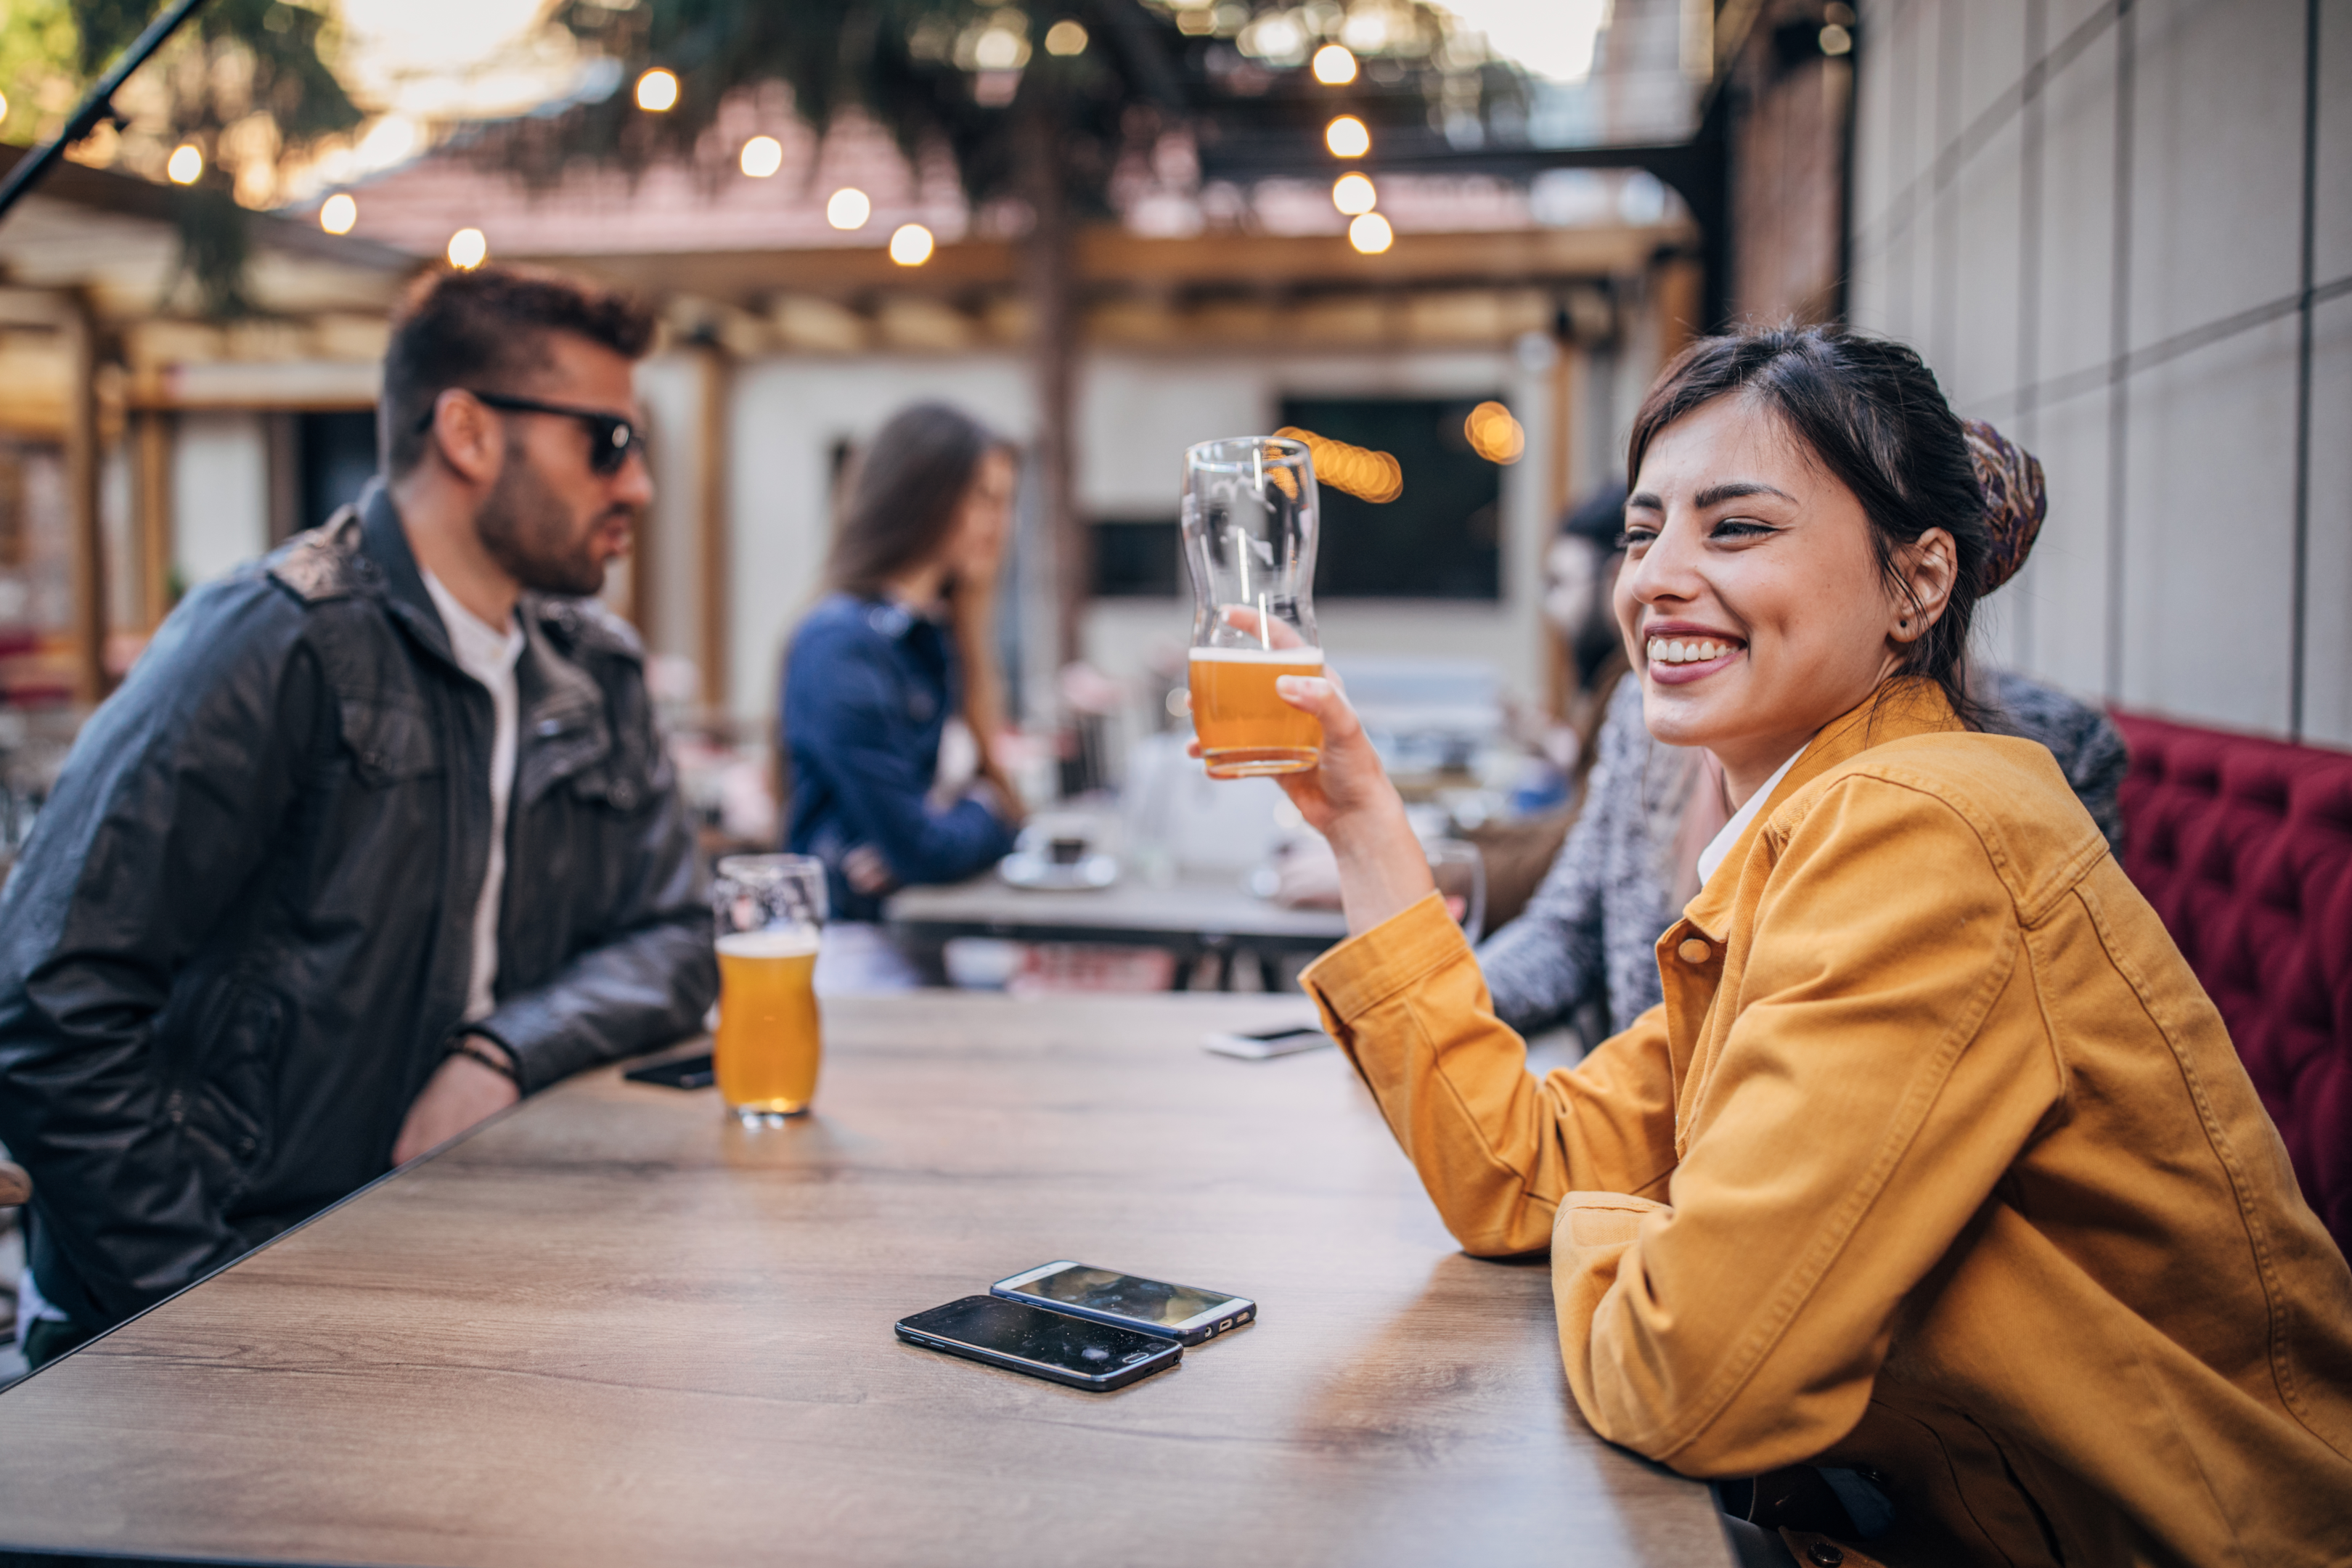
x=868, y=690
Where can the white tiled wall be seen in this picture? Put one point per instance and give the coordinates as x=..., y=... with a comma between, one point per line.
x=2179, y=599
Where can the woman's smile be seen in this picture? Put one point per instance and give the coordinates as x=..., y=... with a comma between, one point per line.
x=1680, y=652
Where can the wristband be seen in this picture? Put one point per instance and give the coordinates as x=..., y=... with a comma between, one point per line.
x=464, y=1046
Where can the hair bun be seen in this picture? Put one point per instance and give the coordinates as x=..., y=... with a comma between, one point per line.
x=2014, y=501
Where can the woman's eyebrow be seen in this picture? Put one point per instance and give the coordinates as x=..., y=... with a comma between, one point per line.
x=1646, y=501
x=1733, y=490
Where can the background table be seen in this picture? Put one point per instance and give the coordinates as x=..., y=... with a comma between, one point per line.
x=1190, y=917
x=617, y=1327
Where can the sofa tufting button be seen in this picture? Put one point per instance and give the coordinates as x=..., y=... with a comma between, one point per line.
x=1694, y=950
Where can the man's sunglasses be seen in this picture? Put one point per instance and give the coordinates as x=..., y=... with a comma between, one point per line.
x=611, y=438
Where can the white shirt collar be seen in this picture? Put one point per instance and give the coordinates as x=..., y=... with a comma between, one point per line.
x=1720, y=845
x=478, y=645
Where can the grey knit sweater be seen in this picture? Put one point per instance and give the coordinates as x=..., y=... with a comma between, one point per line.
x=1588, y=934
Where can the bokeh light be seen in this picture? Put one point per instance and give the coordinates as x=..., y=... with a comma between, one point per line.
x=658, y=91
x=848, y=209
x=468, y=250
x=187, y=163
x=1364, y=474
x=1354, y=195
x=338, y=212
x=910, y=246
x=1347, y=137
x=1837, y=40
x=762, y=156
x=1335, y=65
x=1495, y=435
x=1067, y=38
x=1371, y=233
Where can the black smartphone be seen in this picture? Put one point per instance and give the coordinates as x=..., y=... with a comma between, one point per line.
x=1154, y=1307
x=678, y=1072
x=1051, y=1345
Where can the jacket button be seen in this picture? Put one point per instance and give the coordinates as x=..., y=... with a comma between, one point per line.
x=1694, y=950
x=1824, y=1555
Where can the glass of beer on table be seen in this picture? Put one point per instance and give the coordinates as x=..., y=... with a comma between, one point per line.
x=1249, y=523
x=771, y=913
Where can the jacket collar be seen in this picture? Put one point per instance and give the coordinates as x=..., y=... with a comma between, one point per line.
x=562, y=726
x=1896, y=708
x=384, y=545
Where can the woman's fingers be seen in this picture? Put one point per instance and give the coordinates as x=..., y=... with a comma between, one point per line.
x=1321, y=696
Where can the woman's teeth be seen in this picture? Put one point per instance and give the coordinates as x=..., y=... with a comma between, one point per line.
x=1664, y=650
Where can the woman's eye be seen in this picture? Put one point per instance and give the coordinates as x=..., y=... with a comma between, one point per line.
x=1634, y=535
x=1739, y=528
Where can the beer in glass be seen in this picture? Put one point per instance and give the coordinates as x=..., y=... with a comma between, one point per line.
x=1249, y=522
x=771, y=912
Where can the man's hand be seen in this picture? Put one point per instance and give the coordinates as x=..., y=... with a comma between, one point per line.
x=460, y=1094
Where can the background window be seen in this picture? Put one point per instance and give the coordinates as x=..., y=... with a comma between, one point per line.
x=1439, y=539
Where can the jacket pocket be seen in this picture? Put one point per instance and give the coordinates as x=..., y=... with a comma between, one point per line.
x=225, y=1104
x=389, y=742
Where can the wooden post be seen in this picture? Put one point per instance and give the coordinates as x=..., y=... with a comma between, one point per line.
x=153, y=492
x=710, y=518
x=1567, y=363
x=88, y=547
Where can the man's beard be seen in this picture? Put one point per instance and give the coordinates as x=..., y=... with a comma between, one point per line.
x=530, y=534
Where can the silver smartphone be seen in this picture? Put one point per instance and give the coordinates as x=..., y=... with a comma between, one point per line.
x=1261, y=1045
x=1177, y=1312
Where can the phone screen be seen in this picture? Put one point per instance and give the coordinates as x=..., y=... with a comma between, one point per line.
x=1145, y=1300
x=1033, y=1334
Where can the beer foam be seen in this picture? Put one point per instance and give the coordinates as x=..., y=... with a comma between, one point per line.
x=786, y=941
x=1257, y=655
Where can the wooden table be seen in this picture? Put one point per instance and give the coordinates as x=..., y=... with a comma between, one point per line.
x=617, y=1327
x=1193, y=917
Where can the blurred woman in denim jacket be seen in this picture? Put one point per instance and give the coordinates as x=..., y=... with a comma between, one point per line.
x=891, y=699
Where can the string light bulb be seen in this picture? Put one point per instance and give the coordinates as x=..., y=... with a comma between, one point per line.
x=1371, y=233
x=658, y=91
x=910, y=245
x=1347, y=137
x=468, y=250
x=848, y=209
x=762, y=156
x=338, y=212
x=1335, y=65
x=186, y=163
x=1354, y=195
x=1067, y=38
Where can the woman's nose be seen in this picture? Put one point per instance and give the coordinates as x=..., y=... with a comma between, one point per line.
x=1668, y=568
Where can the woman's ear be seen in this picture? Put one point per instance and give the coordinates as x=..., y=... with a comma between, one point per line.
x=1928, y=567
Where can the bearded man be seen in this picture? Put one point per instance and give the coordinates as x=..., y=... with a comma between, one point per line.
x=378, y=837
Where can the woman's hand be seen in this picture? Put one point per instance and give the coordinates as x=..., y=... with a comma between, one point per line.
x=1348, y=799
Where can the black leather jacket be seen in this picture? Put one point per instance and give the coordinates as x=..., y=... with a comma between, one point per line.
x=239, y=939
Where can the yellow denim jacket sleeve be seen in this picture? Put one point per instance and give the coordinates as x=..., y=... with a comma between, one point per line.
x=1497, y=1147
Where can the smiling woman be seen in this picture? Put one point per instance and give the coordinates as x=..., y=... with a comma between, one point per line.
x=1933, y=1209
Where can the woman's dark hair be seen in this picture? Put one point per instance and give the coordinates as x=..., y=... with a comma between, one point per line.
x=898, y=504
x=1870, y=412
x=902, y=493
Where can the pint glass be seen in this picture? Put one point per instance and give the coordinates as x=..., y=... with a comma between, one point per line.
x=770, y=911
x=1249, y=541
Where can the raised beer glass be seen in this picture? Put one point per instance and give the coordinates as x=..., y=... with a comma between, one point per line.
x=1249, y=519
x=771, y=912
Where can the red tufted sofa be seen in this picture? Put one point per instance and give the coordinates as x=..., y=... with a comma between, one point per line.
x=2244, y=846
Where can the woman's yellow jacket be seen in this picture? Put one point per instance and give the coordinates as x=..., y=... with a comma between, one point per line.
x=1935, y=1161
